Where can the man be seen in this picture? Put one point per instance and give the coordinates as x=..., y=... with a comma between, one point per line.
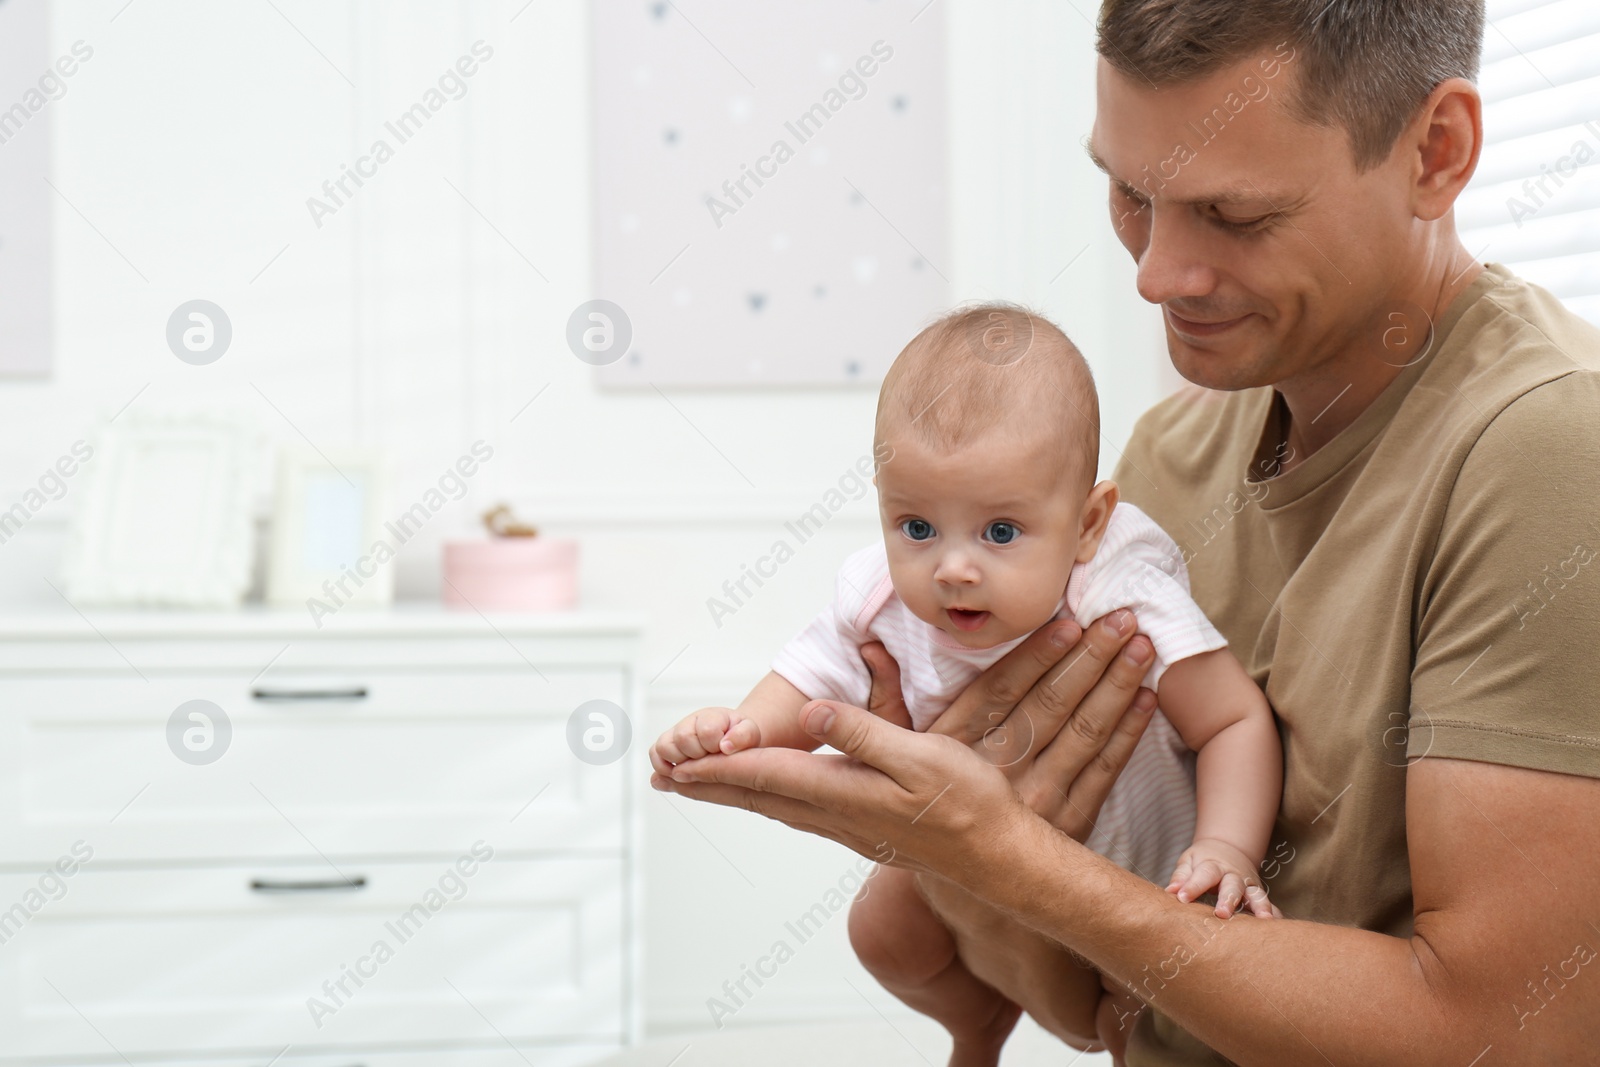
x=1386, y=495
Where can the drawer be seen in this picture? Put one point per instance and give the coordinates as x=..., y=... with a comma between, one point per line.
x=339, y=763
x=526, y=1054
x=243, y=961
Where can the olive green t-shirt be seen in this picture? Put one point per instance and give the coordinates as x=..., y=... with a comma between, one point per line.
x=1425, y=585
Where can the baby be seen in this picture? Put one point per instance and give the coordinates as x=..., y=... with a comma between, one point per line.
x=987, y=441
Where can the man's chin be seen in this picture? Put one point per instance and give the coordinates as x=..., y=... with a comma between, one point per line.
x=1228, y=370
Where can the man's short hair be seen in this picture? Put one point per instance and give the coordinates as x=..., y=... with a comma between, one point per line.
x=1365, y=65
x=994, y=367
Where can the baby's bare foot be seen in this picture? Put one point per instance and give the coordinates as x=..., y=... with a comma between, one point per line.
x=981, y=1048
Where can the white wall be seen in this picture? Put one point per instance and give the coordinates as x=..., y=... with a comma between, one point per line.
x=187, y=147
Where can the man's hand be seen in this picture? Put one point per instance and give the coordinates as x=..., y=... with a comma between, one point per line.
x=912, y=800
x=1052, y=711
x=1013, y=717
x=1060, y=715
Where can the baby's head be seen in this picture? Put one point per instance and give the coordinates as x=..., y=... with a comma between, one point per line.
x=991, y=429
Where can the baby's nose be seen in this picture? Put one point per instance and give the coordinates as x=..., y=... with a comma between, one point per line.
x=955, y=568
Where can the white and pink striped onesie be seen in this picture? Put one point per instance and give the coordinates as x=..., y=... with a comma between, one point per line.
x=1149, y=816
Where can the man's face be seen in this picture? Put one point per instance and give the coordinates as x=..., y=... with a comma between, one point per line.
x=1268, y=252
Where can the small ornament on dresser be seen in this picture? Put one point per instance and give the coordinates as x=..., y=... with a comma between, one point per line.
x=515, y=568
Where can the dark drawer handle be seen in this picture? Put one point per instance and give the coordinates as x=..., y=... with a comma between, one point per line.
x=289, y=696
x=325, y=885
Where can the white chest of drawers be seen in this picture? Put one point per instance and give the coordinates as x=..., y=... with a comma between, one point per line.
x=397, y=860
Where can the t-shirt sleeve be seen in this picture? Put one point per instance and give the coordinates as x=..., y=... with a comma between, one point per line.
x=824, y=660
x=1509, y=623
x=1139, y=567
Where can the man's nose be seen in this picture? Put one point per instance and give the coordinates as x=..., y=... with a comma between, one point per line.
x=1172, y=264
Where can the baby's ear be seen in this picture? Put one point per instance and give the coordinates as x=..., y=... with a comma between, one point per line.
x=1095, y=517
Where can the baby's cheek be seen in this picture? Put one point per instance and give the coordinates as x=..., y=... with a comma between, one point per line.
x=1036, y=597
x=922, y=604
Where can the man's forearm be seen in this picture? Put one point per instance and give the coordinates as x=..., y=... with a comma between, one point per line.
x=1259, y=991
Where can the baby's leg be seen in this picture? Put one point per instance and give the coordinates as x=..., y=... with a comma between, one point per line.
x=909, y=951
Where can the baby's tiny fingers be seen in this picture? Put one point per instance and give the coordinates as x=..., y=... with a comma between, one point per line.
x=668, y=751
x=1229, y=895
x=1260, y=906
x=1179, y=874
x=711, y=726
x=659, y=765
x=1206, y=875
x=742, y=735
x=686, y=739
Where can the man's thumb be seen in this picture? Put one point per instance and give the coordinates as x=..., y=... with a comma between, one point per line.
x=848, y=730
x=818, y=718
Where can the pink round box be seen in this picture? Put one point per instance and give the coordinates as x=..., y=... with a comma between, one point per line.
x=511, y=574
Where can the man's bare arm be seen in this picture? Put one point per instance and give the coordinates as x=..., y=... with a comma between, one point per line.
x=1502, y=866
x=1503, y=873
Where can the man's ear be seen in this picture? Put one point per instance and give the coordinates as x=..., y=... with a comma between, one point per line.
x=1095, y=518
x=1447, y=139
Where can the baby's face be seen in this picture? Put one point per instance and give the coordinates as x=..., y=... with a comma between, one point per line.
x=981, y=541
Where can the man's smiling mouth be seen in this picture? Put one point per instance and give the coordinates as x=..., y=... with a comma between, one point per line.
x=1199, y=328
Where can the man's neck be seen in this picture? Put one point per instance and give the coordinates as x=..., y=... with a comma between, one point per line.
x=1322, y=403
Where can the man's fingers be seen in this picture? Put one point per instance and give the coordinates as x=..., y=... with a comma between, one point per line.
x=859, y=734
x=986, y=703
x=1095, y=717
x=797, y=814
x=887, y=699
x=1072, y=706
x=837, y=784
x=1091, y=782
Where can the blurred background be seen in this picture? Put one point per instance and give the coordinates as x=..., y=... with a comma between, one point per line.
x=283, y=279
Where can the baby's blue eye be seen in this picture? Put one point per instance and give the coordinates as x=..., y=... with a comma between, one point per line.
x=917, y=529
x=1001, y=533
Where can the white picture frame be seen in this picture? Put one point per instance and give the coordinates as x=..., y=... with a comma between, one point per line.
x=328, y=546
x=166, y=514
x=26, y=205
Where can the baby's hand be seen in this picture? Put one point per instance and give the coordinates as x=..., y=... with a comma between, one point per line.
x=1210, y=863
x=707, y=731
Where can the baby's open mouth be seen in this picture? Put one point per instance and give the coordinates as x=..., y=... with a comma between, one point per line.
x=967, y=620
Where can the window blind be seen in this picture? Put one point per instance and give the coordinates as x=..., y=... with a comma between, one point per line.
x=1534, y=203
